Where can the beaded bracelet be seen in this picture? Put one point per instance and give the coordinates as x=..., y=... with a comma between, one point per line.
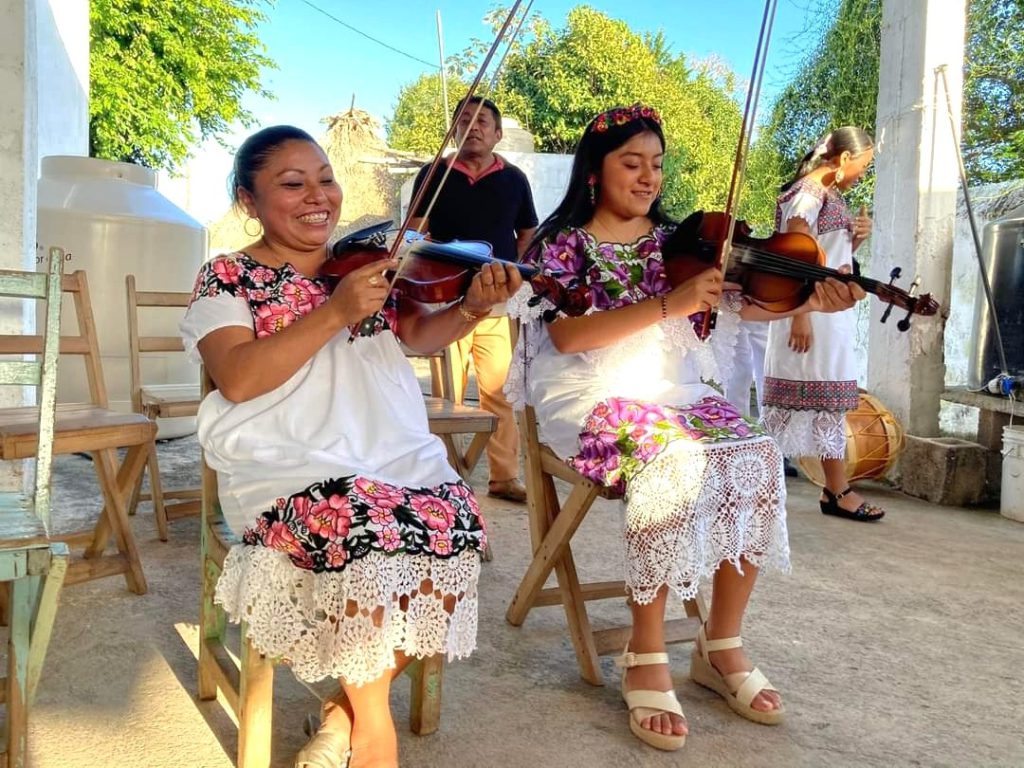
x=470, y=317
x=664, y=307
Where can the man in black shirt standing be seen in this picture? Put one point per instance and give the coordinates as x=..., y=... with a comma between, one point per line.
x=484, y=198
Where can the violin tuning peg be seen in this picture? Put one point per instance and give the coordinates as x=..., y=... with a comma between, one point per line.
x=894, y=274
x=904, y=324
x=888, y=311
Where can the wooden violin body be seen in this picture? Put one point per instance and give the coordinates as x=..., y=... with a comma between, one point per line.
x=434, y=273
x=777, y=273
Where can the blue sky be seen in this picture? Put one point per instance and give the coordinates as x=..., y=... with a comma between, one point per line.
x=321, y=64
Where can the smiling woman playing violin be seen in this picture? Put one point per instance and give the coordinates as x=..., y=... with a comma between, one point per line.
x=360, y=543
x=624, y=395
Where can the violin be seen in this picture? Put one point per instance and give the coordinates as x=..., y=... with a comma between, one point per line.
x=438, y=273
x=778, y=272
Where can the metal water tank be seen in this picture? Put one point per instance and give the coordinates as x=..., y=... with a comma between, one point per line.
x=1003, y=253
x=112, y=221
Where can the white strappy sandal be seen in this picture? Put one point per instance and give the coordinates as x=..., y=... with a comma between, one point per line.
x=325, y=748
x=739, y=688
x=643, y=703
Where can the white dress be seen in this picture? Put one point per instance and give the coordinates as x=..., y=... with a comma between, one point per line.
x=701, y=484
x=808, y=394
x=345, y=502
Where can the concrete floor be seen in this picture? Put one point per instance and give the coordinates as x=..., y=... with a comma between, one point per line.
x=897, y=644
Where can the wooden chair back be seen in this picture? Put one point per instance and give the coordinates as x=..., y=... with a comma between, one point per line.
x=40, y=372
x=138, y=344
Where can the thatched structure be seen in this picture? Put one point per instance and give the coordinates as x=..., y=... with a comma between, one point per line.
x=370, y=174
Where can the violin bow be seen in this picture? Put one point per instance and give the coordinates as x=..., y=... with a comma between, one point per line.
x=366, y=326
x=742, y=151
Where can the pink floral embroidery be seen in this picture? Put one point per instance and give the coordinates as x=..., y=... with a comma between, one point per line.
x=302, y=295
x=330, y=517
x=379, y=494
x=381, y=515
x=271, y=318
x=227, y=270
x=390, y=539
x=440, y=543
x=336, y=555
x=280, y=537
x=436, y=513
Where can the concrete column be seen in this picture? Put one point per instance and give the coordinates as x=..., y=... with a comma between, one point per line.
x=17, y=140
x=915, y=199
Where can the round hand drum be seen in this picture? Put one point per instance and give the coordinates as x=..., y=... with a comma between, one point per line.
x=873, y=441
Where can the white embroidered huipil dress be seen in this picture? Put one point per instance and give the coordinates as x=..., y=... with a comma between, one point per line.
x=701, y=484
x=345, y=502
x=807, y=394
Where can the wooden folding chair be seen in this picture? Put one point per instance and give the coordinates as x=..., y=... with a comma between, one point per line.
x=451, y=419
x=159, y=401
x=88, y=428
x=552, y=526
x=32, y=568
x=248, y=683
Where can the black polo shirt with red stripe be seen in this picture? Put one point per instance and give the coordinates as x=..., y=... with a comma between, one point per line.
x=492, y=207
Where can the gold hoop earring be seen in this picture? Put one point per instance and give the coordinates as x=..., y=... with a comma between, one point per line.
x=259, y=227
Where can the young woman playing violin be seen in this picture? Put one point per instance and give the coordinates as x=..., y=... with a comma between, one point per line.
x=360, y=543
x=810, y=370
x=621, y=395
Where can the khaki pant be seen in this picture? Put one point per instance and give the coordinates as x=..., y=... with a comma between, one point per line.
x=490, y=346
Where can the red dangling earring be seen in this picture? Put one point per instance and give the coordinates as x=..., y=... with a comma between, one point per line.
x=592, y=185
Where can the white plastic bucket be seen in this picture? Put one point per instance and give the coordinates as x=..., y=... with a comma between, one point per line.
x=1011, y=503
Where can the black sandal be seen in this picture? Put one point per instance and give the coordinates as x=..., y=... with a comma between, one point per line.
x=865, y=513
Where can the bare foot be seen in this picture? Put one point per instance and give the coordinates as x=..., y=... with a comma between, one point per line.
x=374, y=746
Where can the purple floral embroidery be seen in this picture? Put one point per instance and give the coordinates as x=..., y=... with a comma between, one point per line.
x=614, y=274
x=621, y=436
x=333, y=522
x=276, y=297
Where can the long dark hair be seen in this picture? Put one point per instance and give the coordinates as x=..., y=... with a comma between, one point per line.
x=849, y=138
x=576, y=208
x=255, y=152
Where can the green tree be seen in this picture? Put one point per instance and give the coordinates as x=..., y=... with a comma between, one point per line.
x=556, y=79
x=419, y=122
x=837, y=84
x=165, y=75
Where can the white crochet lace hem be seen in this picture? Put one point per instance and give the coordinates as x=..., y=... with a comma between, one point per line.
x=807, y=432
x=301, y=617
x=697, y=505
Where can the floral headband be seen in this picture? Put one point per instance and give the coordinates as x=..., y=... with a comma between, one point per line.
x=623, y=115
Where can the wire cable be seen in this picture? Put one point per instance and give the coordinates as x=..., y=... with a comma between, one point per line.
x=318, y=9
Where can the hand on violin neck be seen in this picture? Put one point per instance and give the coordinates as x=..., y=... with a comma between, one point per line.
x=493, y=284
x=833, y=295
x=697, y=294
x=361, y=292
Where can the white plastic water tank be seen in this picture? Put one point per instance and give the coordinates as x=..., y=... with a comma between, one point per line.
x=112, y=221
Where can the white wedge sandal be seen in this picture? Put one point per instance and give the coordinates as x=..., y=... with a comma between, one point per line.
x=326, y=748
x=644, y=703
x=739, y=688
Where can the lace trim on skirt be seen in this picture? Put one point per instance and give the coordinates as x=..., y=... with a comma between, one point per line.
x=807, y=432
x=323, y=624
x=699, y=504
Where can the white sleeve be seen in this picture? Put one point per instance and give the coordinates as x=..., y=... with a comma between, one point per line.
x=803, y=205
x=208, y=313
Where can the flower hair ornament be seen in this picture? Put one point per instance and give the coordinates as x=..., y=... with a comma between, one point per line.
x=623, y=115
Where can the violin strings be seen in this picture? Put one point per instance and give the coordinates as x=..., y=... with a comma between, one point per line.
x=794, y=268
